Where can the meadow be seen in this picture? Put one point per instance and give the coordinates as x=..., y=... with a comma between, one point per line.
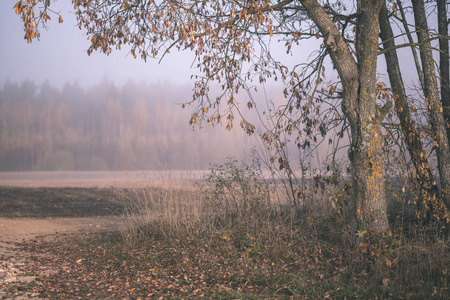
x=230, y=235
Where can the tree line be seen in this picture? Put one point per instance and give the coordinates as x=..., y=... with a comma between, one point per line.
x=137, y=126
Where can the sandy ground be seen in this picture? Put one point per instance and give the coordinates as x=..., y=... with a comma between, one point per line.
x=89, y=201
x=19, y=230
x=13, y=231
x=13, y=259
x=25, y=229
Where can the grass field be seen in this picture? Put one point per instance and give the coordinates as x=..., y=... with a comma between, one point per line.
x=226, y=237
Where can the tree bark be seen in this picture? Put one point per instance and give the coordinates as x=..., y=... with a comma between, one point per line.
x=371, y=200
x=369, y=205
x=411, y=135
x=431, y=92
x=444, y=61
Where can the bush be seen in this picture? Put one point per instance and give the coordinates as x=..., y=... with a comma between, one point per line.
x=235, y=191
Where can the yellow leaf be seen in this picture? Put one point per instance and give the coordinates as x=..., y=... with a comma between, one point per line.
x=17, y=8
x=226, y=236
x=388, y=263
x=60, y=20
x=361, y=234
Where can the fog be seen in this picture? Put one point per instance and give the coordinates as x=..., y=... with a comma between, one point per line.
x=65, y=110
x=136, y=127
x=60, y=55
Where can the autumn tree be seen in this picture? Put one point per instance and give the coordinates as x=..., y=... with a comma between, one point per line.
x=431, y=201
x=233, y=42
x=444, y=59
x=431, y=93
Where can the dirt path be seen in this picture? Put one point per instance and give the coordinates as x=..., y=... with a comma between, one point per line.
x=40, y=214
x=25, y=229
x=14, y=262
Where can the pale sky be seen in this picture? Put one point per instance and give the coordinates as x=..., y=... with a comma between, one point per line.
x=60, y=55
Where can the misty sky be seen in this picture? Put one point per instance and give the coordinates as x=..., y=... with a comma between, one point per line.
x=60, y=55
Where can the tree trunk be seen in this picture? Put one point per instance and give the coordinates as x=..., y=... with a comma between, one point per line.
x=444, y=61
x=408, y=34
x=371, y=203
x=431, y=92
x=411, y=135
x=369, y=208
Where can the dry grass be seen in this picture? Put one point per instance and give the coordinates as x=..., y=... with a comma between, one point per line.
x=276, y=251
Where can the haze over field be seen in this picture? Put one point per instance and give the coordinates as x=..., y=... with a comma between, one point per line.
x=61, y=109
x=135, y=127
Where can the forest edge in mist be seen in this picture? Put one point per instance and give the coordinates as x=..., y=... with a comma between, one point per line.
x=136, y=127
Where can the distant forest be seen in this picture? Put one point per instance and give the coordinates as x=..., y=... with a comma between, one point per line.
x=137, y=126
